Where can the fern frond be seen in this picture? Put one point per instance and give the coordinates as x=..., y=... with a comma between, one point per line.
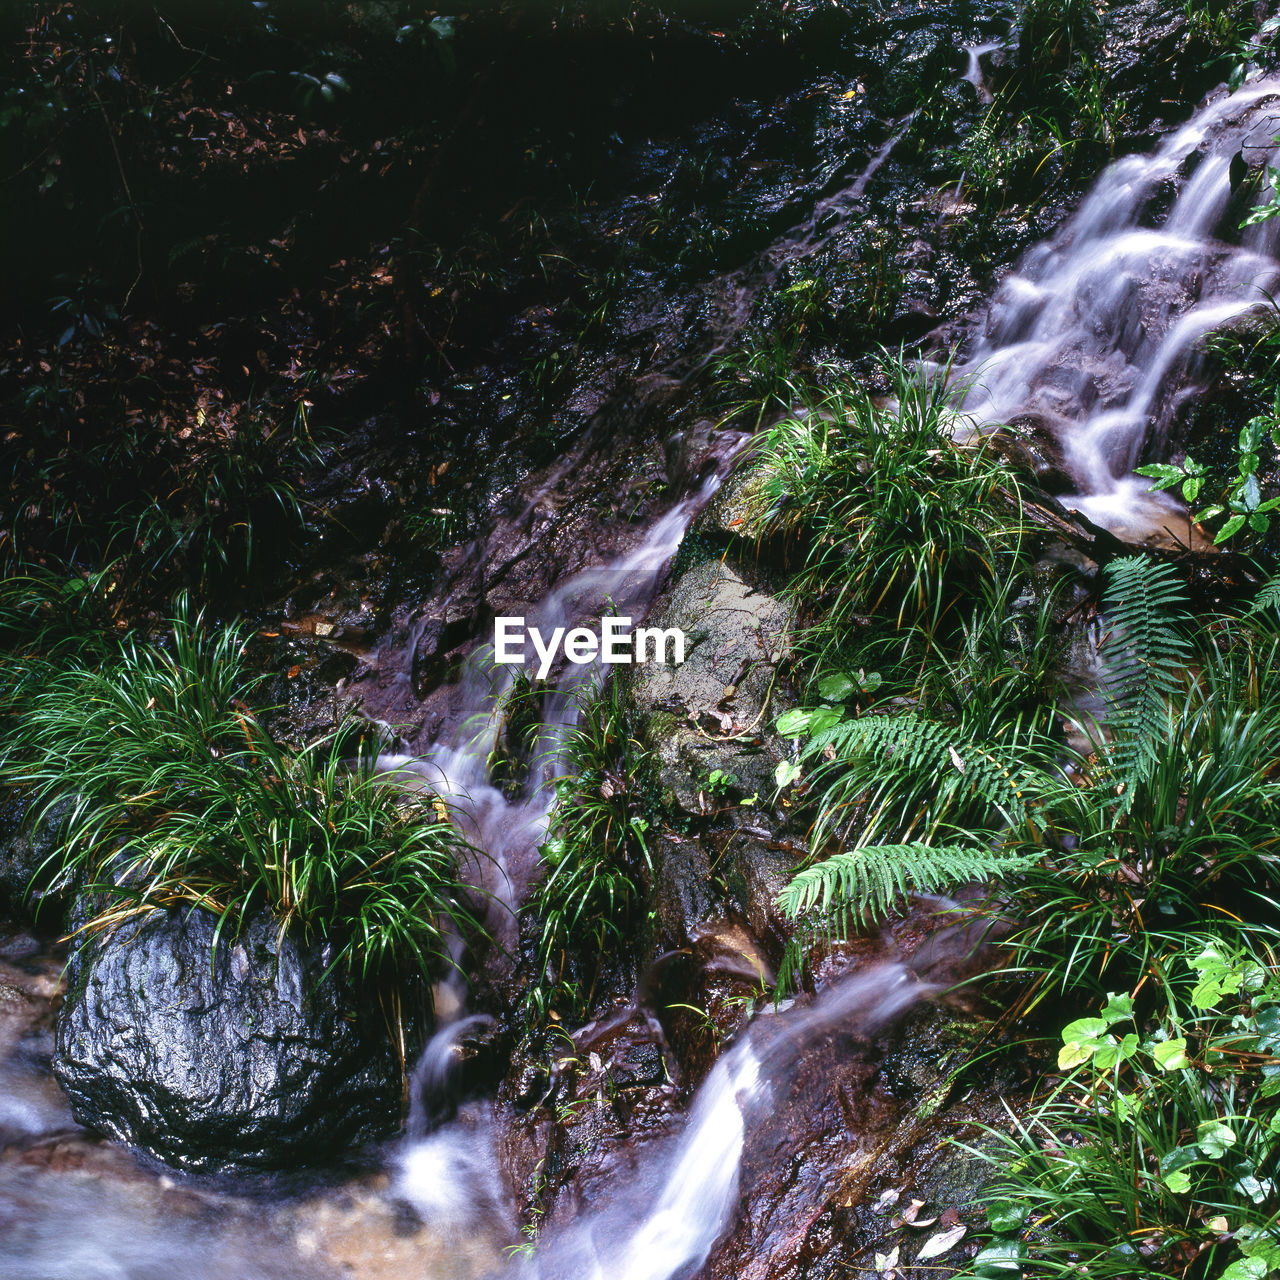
x=906, y=762
x=871, y=878
x=1146, y=603
x=1268, y=597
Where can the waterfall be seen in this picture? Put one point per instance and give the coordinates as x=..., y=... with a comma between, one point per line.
x=1092, y=338
x=683, y=1192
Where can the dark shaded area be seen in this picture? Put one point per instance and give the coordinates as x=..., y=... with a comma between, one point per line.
x=288, y=281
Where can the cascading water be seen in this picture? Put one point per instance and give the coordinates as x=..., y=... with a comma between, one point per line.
x=1092, y=339
x=974, y=53
x=681, y=1194
x=509, y=830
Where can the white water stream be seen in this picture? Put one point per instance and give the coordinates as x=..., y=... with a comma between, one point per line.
x=1093, y=339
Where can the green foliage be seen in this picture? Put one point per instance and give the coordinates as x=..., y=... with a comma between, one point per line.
x=870, y=879
x=596, y=856
x=179, y=795
x=1232, y=34
x=1237, y=497
x=1268, y=596
x=1176, y=805
x=1154, y=1153
x=1146, y=604
x=896, y=511
x=900, y=775
x=1057, y=32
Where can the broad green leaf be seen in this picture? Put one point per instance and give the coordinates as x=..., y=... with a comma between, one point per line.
x=1005, y=1216
x=1171, y=1055
x=786, y=773
x=1247, y=1269
x=836, y=688
x=1000, y=1260
x=1081, y=1039
x=1072, y=1055
x=1084, y=1030
x=1214, y=1138
x=1257, y=1189
x=823, y=718
x=1118, y=1008
x=1219, y=976
x=1230, y=529
x=1109, y=1054
x=1126, y=1105
x=793, y=723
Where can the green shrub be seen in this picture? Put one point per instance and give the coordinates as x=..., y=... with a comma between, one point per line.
x=1171, y=815
x=1153, y=1150
x=897, y=509
x=179, y=795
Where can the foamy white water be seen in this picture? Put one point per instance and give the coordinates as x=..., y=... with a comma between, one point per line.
x=1094, y=338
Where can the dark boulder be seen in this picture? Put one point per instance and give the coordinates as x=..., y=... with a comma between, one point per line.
x=30, y=883
x=236, y=1057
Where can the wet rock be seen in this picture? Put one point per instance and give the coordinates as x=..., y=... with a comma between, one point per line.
x=28, y=880
x=855, y=1138
x=710, y=723
x=239, y=1056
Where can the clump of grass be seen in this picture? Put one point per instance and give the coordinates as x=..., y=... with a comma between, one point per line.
x=895, y=509
x=178, y=795
x=596, y=856
x=1171, y=814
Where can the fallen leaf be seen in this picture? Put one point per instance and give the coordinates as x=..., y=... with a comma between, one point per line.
x=940, y=1243
x=887, y=1261
x=910, y=1212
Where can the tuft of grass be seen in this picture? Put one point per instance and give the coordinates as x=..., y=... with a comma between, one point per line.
x=596, y=856
x=897, y=509
x=178, y=795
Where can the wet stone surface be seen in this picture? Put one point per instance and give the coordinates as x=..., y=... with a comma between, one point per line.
x=234, y=1057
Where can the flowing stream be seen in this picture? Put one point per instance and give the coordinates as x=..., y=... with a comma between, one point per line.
x=1094, y=338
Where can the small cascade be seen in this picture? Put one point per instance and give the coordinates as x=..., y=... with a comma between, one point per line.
x=508, y=830
x=682, y=1195
x=974, y=53
x=1093, y=338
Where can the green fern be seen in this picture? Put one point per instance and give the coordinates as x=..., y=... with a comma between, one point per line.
x=871, y=878
x=909, y=774
x=1268, y=597
x=1146, y=602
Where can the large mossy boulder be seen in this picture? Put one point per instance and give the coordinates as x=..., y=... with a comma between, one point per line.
x=710, y=725
x=241, y=1056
